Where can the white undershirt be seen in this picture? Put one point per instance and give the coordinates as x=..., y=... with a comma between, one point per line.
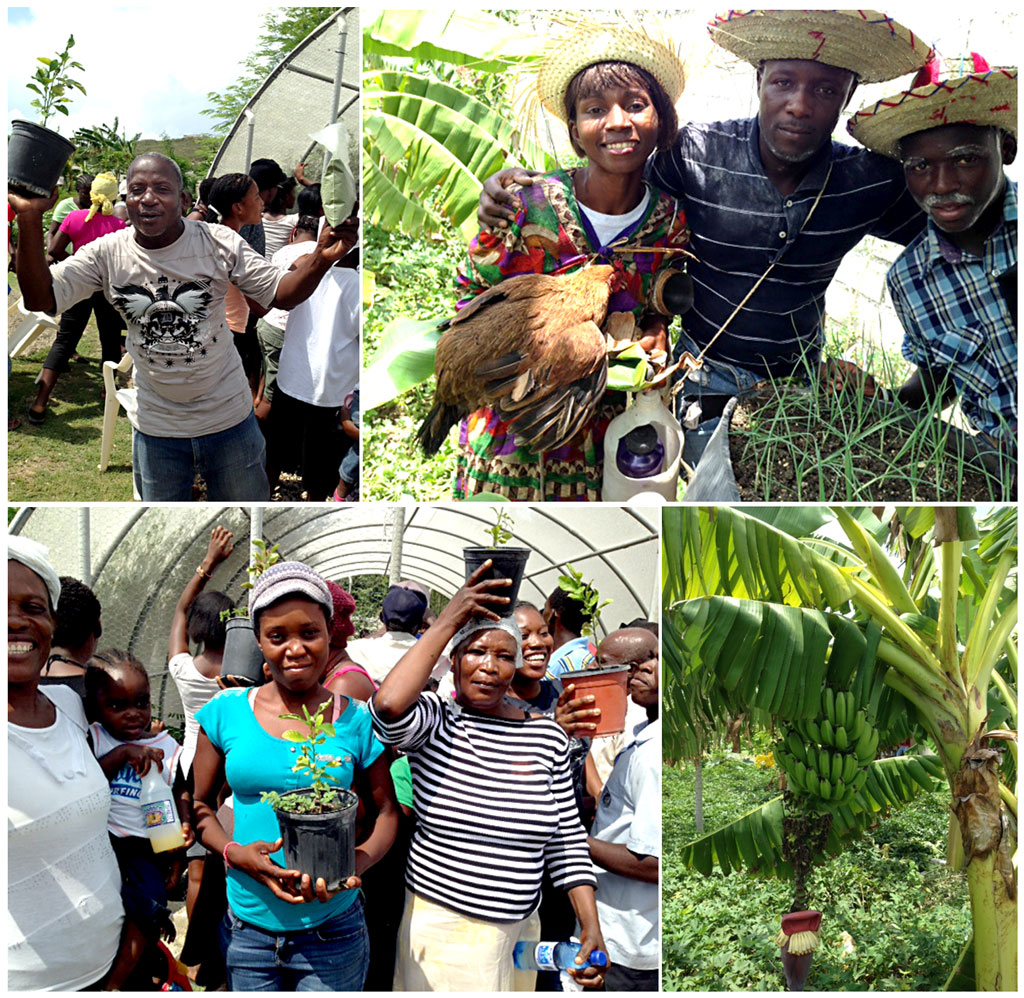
x=608, y=227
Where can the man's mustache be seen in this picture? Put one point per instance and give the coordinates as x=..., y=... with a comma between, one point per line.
x=933, y=200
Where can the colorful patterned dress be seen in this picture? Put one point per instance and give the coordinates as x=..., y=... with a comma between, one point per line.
x=549, y=235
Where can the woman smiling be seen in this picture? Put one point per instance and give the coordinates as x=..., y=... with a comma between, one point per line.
x=283, y=932
x=63, y=888
x=494, y=806
x=616, y=91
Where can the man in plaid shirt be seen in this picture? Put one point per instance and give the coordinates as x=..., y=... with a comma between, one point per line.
x=954, y=287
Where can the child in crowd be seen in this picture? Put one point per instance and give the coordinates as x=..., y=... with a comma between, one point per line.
x=348, y=473
x=118, y=705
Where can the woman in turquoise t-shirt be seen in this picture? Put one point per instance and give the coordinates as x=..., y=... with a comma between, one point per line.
x=282, y=932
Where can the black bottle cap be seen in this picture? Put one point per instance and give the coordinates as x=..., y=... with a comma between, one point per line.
x=641, y=440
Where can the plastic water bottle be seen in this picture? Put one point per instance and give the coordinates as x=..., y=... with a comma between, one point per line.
x=159, y=815
x=554, y=956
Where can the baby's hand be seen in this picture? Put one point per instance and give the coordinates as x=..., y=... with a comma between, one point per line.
x=140, y=758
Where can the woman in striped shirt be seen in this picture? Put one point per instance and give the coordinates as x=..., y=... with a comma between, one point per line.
x=494, y=807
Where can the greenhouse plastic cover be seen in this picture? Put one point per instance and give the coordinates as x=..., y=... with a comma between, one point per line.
x=296, y=100
x=138, y=559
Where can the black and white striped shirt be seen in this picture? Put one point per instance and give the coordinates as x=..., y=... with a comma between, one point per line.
x=494, y=808
x=740, y=223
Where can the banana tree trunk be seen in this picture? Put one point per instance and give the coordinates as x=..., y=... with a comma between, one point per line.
x=698, y=795
x=989, y=836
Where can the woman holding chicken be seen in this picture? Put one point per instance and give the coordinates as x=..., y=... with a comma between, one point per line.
x=616, y=91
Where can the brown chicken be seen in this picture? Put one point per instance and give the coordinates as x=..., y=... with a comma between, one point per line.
x=531, y=348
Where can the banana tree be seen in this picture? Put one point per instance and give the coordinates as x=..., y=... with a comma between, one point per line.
x=429, y=138
x=765, y=609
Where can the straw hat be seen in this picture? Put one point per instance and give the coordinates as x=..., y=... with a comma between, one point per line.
x=988, y=96
x=865, y=42
x=587, y=45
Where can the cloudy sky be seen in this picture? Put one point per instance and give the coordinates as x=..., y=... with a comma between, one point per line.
x=145, y=65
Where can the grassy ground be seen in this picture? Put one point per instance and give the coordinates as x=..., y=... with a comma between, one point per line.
x=58, y=461
x=895, y=918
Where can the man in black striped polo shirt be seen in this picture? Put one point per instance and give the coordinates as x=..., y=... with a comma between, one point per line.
x=776, y=192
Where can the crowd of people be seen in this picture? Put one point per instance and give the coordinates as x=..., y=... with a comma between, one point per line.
x=490, y=812
x=767, y=207
x=205, y=293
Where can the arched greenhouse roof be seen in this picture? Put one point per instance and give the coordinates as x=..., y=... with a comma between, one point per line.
x=138, y=559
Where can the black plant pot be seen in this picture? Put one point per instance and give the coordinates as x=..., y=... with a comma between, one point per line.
x=322, y=845
x=243, y=660
x=508, y=563
x=36, y=158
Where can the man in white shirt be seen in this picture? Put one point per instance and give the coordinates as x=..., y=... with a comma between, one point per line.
x=625, y=846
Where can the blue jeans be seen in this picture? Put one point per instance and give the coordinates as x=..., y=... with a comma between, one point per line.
x=334, y=956
x=349, y=470
x=714, y=378
x=232, y=463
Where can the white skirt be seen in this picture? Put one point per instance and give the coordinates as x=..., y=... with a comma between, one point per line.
x=441, y=950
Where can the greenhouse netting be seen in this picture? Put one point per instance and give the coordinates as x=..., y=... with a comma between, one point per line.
x=138, y=559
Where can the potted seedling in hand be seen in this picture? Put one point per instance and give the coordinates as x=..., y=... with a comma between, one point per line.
x=318, y=824
x=36, y=155
x=609, y=685
x=506, y=562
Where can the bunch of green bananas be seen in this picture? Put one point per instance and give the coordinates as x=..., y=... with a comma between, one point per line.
x=828, y=758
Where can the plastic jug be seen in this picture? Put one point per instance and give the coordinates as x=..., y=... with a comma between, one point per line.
x=647, y=409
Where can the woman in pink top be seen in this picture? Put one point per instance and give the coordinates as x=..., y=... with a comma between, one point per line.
x=342, y=674
x=78, y=229
x=237, y=198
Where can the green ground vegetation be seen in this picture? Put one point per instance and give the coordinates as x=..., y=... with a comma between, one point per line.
x=894, y=914
x=58, y=461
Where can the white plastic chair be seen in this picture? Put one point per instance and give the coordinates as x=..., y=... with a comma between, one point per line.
x=29, y=325
x=116, y=398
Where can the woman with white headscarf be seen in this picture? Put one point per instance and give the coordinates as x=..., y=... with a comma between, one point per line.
x=494, y=806
x=64, y=908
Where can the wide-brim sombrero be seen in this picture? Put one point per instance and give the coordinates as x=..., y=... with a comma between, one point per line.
x=588, y=45
x=987, y=97
x=866, y=42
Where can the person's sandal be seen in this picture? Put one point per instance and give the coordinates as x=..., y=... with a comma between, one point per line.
x=35, y=417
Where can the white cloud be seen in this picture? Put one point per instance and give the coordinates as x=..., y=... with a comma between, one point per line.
x=150, y=66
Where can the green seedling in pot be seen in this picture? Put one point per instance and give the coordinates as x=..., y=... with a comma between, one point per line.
x=586, y=594
x=52, y=83
x=501, y=532
x=324, y=797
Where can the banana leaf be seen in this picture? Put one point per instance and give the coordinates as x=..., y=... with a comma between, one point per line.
x=460, y=37
x=753, y=842
x=404, y=359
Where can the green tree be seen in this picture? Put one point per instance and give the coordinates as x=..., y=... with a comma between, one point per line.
x=764, y=609
x=283, y=29
x=104, y=149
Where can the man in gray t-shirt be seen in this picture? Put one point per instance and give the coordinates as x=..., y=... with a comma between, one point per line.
x=168, y=277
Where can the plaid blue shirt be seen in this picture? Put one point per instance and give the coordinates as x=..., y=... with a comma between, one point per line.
x=956, y=319
x=740, y=223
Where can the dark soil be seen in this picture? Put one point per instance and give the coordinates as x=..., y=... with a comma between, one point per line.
x=289, y=489
x=818, y=463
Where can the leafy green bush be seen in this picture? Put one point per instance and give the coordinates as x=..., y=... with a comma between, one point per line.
x=895, y=918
